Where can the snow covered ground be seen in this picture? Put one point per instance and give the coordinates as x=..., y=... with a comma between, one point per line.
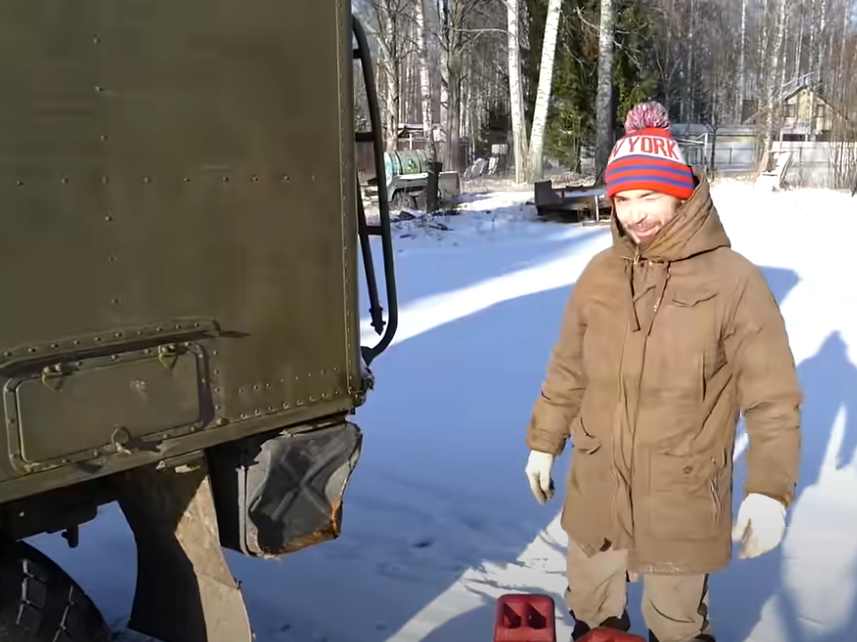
x=439, y=520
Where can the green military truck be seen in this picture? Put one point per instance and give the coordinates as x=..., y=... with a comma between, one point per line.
x=182, y=244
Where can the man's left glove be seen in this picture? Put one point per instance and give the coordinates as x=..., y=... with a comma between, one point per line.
x=760, y=525
x=538, y=472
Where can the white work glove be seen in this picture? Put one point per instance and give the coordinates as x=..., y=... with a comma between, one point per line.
x=538, y=472
x=760, y=525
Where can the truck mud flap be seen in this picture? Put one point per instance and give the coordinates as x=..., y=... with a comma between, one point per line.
x=277, y=495
x=185, y=591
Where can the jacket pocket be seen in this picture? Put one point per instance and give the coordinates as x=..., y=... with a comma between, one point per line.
x=581, y=440
x=684, y=497
x=690, y=298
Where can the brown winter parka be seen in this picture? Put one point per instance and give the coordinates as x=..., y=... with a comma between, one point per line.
x=660, y=350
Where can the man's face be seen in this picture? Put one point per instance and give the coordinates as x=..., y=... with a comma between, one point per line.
x=643, y=213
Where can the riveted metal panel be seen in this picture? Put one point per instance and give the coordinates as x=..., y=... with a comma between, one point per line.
x=164, y=161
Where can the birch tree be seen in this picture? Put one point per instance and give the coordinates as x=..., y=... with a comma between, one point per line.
x=773, y=88
x=425, y=77
x=516, y=91
x=535, y=161
x=604, y=91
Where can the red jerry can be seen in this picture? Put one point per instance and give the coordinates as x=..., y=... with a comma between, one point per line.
x=603, y=634
x=525, y=618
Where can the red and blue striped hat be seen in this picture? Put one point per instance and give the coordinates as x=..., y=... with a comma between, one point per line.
x=648, y=157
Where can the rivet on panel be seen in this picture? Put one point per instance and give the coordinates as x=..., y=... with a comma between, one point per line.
x=225, y=179
x=64, y=180
x=286, y=405
x=147, y=179
x=286, y=178
x=186, y=179
x=108, y=217
x=116, y=302
x=105, y=180
x=19, y=183
x=254, y=178
x=96, y=40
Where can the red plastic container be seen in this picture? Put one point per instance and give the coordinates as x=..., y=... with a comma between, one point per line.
x=525, y=618
x=610, y=635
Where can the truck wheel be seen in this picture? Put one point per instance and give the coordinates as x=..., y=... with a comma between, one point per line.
x=39, y=602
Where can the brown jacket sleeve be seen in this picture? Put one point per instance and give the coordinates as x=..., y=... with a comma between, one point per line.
x=562, y=390
x=768, y=390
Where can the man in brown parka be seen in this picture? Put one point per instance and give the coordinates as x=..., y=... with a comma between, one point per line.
x=667, y=337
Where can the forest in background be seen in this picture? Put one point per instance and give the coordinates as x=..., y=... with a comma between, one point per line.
x=552, y=78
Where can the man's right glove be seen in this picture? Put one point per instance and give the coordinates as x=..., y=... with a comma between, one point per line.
x=538, y=471
x=760, y=525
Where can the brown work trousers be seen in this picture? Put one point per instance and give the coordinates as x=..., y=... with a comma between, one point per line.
x=675, y=607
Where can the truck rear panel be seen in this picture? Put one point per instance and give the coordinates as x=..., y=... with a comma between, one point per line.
x=179, y=240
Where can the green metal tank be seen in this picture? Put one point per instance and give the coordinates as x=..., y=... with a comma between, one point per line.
x=405, y=162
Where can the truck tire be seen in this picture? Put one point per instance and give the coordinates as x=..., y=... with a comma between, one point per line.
x=39, y=602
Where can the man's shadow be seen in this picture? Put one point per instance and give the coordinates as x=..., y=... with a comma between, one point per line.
x=829, y=382
x=818, y=579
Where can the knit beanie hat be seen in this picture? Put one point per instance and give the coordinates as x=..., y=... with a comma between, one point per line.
x=648, y=157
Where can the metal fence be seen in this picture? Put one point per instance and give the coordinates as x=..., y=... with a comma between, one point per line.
x=736, y=150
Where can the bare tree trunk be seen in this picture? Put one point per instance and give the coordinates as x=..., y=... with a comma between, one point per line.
x=535, y=161
x=425, y=78
x=453, y=113
x=742, y=65
x=687, y=105
x=391, y=106
x=444, y=40
x=516, y=92
x=604, y=92
x=773, y=81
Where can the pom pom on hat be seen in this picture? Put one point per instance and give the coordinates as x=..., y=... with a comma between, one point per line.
x=647, y=115
x=648, y=157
